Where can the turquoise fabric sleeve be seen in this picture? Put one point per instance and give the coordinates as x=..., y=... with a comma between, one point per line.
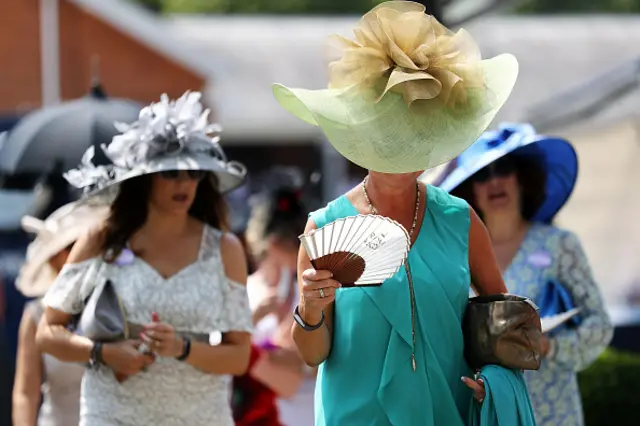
x=507, y=402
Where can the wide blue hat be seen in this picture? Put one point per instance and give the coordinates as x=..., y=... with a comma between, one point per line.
x=556, y=157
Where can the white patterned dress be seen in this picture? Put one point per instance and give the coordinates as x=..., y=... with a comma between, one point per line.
x=549, y=253
x=198, y=299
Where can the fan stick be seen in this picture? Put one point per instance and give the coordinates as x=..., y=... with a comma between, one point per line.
x=349, y=266
x=362, y=250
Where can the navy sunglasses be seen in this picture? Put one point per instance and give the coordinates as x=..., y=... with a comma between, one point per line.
x=502, y=167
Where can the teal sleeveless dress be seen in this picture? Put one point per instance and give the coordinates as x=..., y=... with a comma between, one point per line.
x=368, y=379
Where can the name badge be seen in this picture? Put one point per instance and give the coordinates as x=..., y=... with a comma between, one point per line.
x=540, y=259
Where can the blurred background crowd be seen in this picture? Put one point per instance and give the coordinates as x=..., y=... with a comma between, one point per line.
x=69, y=68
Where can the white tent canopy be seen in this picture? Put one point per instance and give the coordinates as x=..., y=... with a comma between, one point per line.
x=249, y=53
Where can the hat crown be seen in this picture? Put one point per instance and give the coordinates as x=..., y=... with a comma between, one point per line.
x=169, y=128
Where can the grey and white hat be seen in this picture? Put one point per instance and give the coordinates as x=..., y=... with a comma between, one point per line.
x=169, y=135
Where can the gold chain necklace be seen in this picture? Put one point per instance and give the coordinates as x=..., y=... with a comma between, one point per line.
x=375, y=211
x=406, y=265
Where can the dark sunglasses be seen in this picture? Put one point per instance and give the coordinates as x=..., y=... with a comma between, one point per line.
x=501, y=168
x=192, y=174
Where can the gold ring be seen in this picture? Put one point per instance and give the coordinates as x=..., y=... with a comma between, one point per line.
x=321, y=292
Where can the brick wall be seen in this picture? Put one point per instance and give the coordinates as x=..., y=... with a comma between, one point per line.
x=19, y=56
x=127, y=68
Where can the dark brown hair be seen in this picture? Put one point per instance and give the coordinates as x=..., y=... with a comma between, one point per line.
x=130, y=208
x=532, y=181
x=281, y=214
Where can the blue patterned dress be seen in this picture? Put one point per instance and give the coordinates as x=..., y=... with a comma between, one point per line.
x=549, y=253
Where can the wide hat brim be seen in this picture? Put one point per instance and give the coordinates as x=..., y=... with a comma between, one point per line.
x=36, y=275
x=386, y=136
x=229, y=175
x=556, y=156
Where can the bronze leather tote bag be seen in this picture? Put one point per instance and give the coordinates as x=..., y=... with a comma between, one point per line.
x=502, y=330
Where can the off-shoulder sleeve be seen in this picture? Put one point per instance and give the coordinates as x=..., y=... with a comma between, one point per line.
x=577, y=348
x=236, y=314
x=73, y=286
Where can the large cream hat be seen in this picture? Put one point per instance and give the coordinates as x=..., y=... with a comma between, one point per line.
x=408, y=94
x=57, y=232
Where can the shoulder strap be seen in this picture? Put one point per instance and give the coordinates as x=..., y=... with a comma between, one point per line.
x=210, y=243
x=93, y=278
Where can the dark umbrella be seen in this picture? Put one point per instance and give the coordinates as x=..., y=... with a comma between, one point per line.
x=58, y=136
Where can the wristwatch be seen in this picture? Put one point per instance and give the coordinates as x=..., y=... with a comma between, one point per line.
x=303, y=324
x=95, y=358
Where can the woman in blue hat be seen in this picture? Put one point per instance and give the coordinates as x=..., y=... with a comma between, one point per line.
x=517, y=181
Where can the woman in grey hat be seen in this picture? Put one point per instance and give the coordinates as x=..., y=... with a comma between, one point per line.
x=179, y=276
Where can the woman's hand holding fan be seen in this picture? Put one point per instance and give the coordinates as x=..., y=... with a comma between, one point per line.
x=318, y=292
x=362, y=250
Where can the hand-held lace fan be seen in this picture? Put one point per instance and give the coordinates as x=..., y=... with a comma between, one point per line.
x=362, y=250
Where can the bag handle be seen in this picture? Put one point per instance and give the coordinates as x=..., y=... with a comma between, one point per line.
x=91, y=280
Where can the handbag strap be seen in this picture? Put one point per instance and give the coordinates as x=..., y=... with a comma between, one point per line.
x=92, y=278
x=413, y=314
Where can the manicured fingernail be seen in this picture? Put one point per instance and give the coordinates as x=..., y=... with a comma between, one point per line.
x=464, y=379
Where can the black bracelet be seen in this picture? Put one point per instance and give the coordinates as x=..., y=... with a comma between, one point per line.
x=303, y=324
x=186, y=349
x=95, y=358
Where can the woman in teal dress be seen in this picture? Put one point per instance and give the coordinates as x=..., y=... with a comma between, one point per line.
x=365, y=348
x=518, y=181
x=407, y=95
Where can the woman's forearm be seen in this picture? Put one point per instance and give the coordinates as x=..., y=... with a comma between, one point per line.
x=29, y=371
x=222, y=359
x=60, y=343
x=25, y=408
x=313, y=346
x=257, y=316
x=577, y=348
x=280, y=370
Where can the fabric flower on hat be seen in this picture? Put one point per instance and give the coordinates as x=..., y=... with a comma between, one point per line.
x=169, y=135
x=407, y=94
x=89, y=174
x=399, y=48
x=165, y=128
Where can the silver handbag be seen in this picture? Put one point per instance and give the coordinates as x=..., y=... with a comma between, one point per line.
x=103, y=318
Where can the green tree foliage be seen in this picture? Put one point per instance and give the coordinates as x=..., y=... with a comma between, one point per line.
x=579, y=6
x=261, y=6
x=361, y=6
x=610, y=389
